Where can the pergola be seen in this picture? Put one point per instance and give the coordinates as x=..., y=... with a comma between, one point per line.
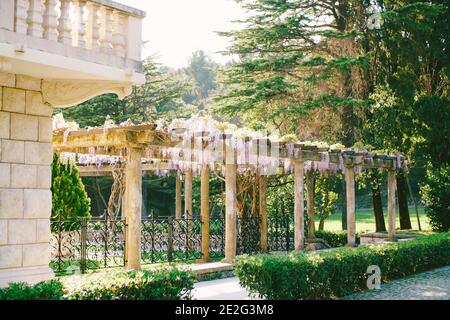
x=197, y=149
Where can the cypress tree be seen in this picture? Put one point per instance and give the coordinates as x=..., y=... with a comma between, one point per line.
x=70, y=201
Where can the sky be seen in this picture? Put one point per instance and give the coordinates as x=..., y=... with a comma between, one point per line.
x=176, y=28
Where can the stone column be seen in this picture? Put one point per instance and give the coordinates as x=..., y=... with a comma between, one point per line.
x=391, y=205
x=205, y=212
x=133, y=207
x=25, y=180
x=299, y=219
x=188, y=194
x=310, y=186
x=188, y=206
x=263, y=213
x=351, y=210
x=178, y=207
x=230, y=212
x=124, y=198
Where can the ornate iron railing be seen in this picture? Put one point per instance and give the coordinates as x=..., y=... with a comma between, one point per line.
x=83, y=244
x=280, y=232
x=216, y=238
x=169, y=240
x=248, y=235
x=86, y=244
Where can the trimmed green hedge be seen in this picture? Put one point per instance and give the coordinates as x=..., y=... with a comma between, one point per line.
x=335, y=239
x=164, y=284
x=48, y=290
x=340, y=272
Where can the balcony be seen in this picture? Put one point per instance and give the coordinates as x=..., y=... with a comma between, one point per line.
x=80, y=47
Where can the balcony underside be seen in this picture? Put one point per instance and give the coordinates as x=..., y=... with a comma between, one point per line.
x=70, y=74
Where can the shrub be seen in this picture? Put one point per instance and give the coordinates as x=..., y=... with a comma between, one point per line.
x=164, y=284
x=436, y=197
x=335, y=239
x=337, y=273
x=47, y=290
x=70, y=201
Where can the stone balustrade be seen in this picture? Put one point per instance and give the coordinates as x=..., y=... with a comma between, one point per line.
x=100, y=31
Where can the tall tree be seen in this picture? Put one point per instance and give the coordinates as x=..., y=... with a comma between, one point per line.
x=408, y=61
x=202, y=70
x=297, y=56
x=159, y=96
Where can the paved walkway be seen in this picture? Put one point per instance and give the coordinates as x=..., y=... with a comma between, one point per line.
x=431, y=285
x=222, y=289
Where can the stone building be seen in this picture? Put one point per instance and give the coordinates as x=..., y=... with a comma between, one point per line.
x=53, y=53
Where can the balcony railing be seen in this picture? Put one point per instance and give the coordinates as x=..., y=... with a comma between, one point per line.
x=100, y=31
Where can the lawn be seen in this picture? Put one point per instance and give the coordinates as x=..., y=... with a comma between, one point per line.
x=365, y=220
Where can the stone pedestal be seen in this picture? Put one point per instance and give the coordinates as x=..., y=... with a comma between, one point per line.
x=25, y=180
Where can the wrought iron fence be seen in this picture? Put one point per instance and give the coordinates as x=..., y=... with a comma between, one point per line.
x=83, y=244
x=280, y=232
x=248, y=235
x=216, y=238
x=168, y=240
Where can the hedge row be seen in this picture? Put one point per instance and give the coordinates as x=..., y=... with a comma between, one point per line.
x=340, y=272
x=334, y=239
x=165, y=284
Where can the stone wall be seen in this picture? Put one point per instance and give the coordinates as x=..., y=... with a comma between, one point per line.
x=25, y=180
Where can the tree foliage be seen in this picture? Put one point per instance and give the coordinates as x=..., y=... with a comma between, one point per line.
x=326, y=197
x=317, y=69
x=436, y=197
x=69, y=201
x=202, y=71
x=159, y=96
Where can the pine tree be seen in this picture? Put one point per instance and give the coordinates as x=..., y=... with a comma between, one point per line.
x=70, y=201
x=297, y=56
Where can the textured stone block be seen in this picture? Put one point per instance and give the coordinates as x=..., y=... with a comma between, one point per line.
x=45, y=129
x=13, y=100
x=23, y=176
x=37, y=204
x=38, y=153
x=11, y=203
x=44, y=177
x=7, y=79
x=10, y=256
x=4, y=124
x=5, y=175
x=43, y=230
x=36, y=254
x=13, y=151
x=24, y=127
x=3, y=232
x=36, y=106
x=6, y=18
x=21, y=231
x=28, y=83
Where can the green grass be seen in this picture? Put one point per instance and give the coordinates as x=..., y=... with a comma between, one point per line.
x=365, y=220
